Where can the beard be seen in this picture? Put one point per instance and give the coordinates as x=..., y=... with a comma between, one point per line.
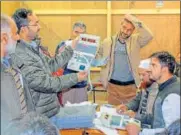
x=124, y=36
x=32, y=34
x=145, y=85
x=11, y=46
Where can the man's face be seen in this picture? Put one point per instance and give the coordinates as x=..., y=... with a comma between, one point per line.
x=33, y=27
x=77, y=31
x=145, y=77
x=156, y=69
x=9, y=40
x=126, y=30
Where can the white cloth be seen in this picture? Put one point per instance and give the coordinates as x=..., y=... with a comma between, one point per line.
x=171, y=112
x=145, y=64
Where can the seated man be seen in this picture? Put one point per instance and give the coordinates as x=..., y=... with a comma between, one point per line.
x=15, y=94
x=31, y=124
x=78, y=92
x=141, y=107
x=166, y=108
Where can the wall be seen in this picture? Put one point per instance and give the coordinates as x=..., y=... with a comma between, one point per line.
x=57, y=18
x=8, y=7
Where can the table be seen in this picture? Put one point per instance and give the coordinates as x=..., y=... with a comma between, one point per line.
x=86, y=132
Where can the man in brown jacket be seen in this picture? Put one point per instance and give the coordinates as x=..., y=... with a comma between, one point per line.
x=120, y=76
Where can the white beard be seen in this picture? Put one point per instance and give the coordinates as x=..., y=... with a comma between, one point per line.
x=11, y=46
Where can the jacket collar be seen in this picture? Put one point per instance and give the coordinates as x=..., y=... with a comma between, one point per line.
x=168, y=82
x=33, y=47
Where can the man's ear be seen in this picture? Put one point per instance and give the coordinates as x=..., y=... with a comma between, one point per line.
x=4, y=38
x=165, y=69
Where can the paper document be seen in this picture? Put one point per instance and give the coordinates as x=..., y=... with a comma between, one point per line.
x=99, y=62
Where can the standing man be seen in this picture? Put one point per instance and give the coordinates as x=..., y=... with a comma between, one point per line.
x=15, y=95
x=37, y=68
x=120, y=76
x=166, y=108
x=78, y=92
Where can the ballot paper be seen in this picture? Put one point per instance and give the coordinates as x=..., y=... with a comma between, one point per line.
x=75, y=116
x=99, y=62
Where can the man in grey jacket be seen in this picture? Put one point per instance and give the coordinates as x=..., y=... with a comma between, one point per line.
x=15, y=97
x=37, y=68
x=166, y=108
x=141, y=107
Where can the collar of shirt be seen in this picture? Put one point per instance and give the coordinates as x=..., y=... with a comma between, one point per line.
x=122, y=42
x=33, y=44
x=169, y=81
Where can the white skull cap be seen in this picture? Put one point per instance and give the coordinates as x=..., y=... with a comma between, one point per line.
x=145, y=64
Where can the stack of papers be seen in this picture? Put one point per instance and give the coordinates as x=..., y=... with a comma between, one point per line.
x=75, y=116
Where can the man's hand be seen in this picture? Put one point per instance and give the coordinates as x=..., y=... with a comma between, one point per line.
x=121, y=109
x=132, y=129
x=135, y=21
x=131, y=18
x=74, y=42
x=82, y=76
x=130, y=113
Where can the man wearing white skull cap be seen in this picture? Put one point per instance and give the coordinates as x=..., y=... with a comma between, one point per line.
x=141, y=106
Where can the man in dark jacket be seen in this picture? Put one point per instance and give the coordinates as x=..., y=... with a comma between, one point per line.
x=37, y=68
x=78, y=92
x=15, y=97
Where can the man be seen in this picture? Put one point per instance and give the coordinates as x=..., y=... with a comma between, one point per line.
x=31, y=124
x=141, y=107
x=120, y=76
x=166, y=108
x=15, y=96
x=78, y=28
x=37, y=68
x=78, y=92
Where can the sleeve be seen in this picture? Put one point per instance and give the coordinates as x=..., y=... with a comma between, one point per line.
x=38, y=78
x=60, y=59
x=171, y=108
x=144, y=33
x=134, y=104
x=103, y=47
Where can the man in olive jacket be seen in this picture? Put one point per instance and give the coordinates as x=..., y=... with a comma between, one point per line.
x=37, y=68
